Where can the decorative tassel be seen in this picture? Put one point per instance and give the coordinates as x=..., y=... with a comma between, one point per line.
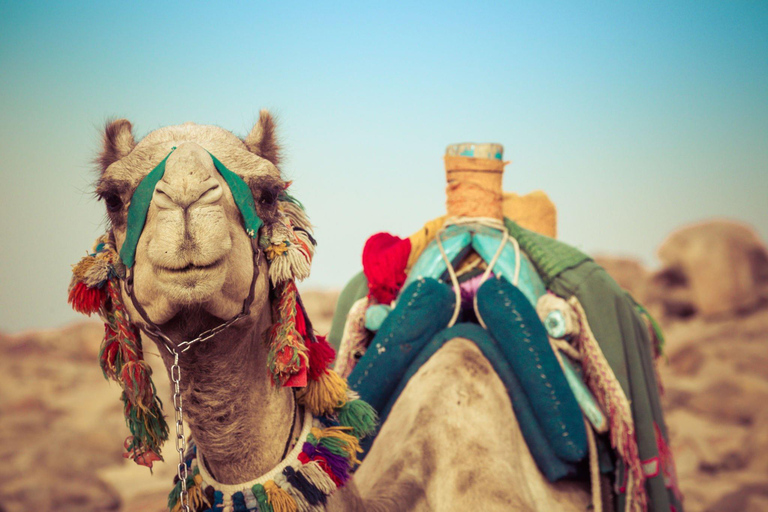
x=337, y=441
x=318, y=477
x=109, y=355
x=81, y=268
x=197, y=498
x=299, y=482
x=324, y=395
x=135, y=376
x=289, y=254
x=336, y=466
x=218, y=501
x=238, y=502
x=173, y=496
x=321, y=355
x=302, y=505
x=86, y=300
x=262, y=498
x=147, y=426
x=99, y=270
x=360, y=416
x=287, y=353
x=279, y=499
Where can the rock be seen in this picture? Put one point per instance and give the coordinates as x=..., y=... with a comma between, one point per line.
x=629, y=273
x=716, y=385
x=715, y=268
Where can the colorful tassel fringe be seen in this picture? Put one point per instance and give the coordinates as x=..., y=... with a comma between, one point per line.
x=287, y=352
x=95, y=288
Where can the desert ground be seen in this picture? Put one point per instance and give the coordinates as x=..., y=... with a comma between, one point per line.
x=61, y=424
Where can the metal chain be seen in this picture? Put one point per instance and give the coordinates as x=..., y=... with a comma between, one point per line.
x=153, y=330
x=181, y=441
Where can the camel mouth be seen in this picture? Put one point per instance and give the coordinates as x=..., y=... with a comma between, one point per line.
x=192, y=268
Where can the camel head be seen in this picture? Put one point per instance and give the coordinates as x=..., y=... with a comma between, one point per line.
x=202, y=253
x=193, y=263
x=202, y=234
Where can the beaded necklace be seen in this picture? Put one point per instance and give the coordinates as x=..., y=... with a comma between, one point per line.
x=319, y=463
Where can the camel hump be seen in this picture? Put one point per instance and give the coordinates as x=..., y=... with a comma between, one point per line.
x=456, y=399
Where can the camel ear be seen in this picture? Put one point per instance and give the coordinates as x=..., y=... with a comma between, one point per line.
x=118, y=142
x=263, y=140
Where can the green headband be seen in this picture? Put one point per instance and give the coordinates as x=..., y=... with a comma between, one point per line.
x=142, y=197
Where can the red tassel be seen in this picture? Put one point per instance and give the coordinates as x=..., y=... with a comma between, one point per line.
x=86, y=300
x=385, y=257
x=321, y=355
x=135, y=379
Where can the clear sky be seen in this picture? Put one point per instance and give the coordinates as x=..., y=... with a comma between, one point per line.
x=634, y=117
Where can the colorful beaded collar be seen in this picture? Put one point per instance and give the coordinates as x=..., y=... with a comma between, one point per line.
x=319, y=464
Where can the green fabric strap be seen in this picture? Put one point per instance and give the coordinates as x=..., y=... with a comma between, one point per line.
x=137, y=211
x=243, y=198
x=142, y=197
x=550, y=257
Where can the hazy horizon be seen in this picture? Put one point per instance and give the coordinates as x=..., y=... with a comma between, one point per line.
x=635, y=119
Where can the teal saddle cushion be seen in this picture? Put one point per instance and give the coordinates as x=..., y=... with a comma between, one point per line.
x=515, y=344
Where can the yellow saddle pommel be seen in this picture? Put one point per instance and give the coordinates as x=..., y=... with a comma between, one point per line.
x=533, y=211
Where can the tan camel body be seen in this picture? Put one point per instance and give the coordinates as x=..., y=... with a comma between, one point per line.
x=451, y=442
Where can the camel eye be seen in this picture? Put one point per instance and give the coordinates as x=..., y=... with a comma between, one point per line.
x=113, y=202
x=268, y=197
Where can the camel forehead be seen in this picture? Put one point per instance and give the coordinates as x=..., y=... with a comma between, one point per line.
x=191, y=132
x=223, y=144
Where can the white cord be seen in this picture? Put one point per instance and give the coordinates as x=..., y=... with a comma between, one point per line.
x=483, y=221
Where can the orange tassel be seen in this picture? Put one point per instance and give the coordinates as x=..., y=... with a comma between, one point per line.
x=324, y=395
x=280, y=500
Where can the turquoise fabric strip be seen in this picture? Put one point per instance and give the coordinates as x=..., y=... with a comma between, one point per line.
x=243, y=196
x=142, y=197
x=523, y=341
x=137, y=211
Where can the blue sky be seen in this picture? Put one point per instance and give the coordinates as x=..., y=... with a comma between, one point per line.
x=634, y=118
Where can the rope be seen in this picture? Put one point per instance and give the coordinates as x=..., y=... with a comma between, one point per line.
x=594, y=469
x=474, y=186
x=483, y=221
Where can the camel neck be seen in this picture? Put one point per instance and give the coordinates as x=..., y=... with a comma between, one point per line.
x=237, y=418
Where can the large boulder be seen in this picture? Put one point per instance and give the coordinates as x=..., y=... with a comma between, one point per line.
x=715, y=268
x=629, y=273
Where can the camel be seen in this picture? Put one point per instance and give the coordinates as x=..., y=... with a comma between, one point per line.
x=451, y=441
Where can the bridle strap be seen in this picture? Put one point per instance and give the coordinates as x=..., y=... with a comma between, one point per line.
x=154, y=331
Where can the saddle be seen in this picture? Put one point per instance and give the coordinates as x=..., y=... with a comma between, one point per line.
x=548, y=319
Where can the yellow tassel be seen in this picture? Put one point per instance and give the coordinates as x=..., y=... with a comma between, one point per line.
x=349, y=443
x=196, y=495
x=325, y=395
x=280, y=500
x=273, y=251
x=79, y=270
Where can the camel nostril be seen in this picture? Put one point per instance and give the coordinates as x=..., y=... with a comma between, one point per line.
x=169, y=196
x=211, y=195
